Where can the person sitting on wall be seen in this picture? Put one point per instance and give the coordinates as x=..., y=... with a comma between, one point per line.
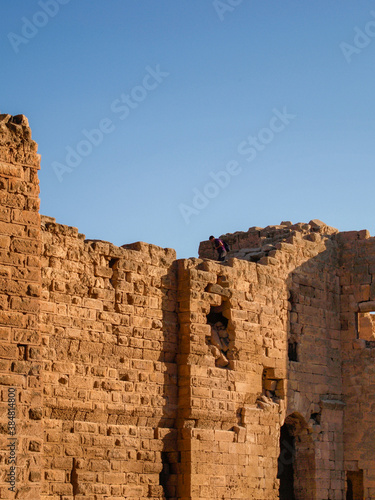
x=219, y=247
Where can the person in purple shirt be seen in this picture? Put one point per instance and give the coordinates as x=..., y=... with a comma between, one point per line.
x=219, y=247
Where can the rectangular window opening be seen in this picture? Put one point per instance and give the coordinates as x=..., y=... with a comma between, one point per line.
x=292, y=351
x=366, y=324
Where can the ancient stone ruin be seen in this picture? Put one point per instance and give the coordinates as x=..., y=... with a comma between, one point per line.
x=128, y=374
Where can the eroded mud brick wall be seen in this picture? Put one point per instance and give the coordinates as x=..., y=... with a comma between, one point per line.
x=20, y=365
x=358, y=350
x=109, y=330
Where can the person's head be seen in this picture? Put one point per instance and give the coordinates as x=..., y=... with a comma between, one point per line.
x=211, y=238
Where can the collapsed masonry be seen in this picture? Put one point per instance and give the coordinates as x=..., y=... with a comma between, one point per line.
x=141, y=376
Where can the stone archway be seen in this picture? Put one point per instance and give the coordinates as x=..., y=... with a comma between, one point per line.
x=296, y=464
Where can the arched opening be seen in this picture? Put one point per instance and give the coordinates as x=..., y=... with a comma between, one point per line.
x=296, y=464
x=285, y=464
x=354, y=485
x=349, y=490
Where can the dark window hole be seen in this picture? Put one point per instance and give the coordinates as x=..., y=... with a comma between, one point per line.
x=218, y=340
x=292, y=351
x=113, y=262
x=316, y=417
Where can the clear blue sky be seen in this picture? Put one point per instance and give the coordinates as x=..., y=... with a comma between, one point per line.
x=183, y=90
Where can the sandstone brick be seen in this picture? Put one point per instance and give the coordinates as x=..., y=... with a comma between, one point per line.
x=12, y=380
x=25, y=246
x=62, y=489
x=29, y=217
x=24, y=304
x=9, y=170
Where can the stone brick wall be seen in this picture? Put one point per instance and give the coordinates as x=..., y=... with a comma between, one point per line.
x=20, y=361
x=229, y=428
x=286, y=303
x=109, y=328
x=138, y=376
x=314, y=380
x=357, y=280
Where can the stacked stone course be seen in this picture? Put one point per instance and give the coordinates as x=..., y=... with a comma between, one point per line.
x=141, y=376
x=109, y=326
x=20, y=279
x=357, y=279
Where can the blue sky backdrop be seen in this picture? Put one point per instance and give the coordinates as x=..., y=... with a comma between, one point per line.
x=167, y=121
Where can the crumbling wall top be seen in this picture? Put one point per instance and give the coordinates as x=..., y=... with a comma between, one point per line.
x=257, y=242
x=143, y=252
x=16, y=144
